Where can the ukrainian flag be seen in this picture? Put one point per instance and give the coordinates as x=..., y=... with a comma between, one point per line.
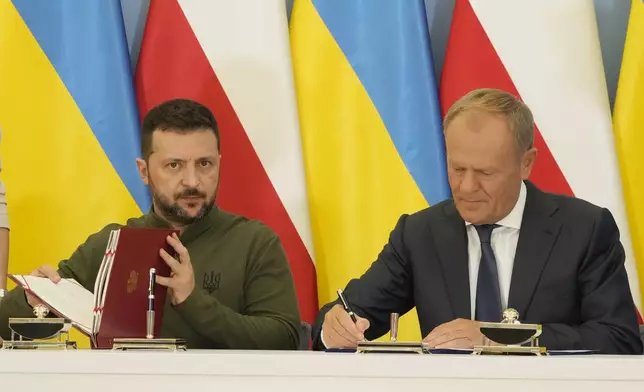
x=70, y=126
x=371, y=129
x=628, y=117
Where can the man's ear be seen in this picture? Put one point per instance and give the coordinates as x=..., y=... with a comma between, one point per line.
x=527, y=162
x=142, y=166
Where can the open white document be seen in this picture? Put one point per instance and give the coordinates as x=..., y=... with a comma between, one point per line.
x=69, y=299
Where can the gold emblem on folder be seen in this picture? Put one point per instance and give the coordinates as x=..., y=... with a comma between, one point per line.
x=132, y=282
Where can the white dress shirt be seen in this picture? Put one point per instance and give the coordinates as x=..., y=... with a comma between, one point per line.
x=504, y=244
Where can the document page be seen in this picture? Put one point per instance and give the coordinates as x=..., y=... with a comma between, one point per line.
x=67, y=297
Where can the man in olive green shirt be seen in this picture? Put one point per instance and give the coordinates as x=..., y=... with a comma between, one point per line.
x=231, y=285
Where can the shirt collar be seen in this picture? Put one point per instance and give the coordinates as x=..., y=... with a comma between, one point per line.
x=514, y=218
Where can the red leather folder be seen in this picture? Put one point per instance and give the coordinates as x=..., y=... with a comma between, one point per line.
x=123, y=313
x=118, y=306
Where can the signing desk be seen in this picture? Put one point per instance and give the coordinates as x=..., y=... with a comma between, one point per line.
x=311, y=371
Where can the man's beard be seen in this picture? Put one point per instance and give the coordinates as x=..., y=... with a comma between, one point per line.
x=174, y=213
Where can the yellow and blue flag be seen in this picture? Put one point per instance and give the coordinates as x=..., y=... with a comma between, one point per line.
x=628, y=117
x=371, y=129
x=70, y=126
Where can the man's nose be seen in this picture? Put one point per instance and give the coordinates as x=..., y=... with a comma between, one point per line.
x=469, y=182
x=190, y=177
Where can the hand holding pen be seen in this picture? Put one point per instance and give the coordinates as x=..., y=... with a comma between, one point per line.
x=342, y=328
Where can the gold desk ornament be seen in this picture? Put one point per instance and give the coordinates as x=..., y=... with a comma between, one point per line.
x=41, y=332
x=393, y=346
x=510, y=336
x=149, y=343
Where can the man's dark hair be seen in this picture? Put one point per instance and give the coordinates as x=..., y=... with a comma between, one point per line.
x=176, y=115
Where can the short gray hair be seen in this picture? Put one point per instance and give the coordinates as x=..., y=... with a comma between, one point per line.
x=498, y=102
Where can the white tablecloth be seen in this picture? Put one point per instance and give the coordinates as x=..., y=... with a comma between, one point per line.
x=85, y=370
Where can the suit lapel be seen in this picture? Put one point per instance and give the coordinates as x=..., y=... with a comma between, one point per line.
x=537, y=236
x=450, y=240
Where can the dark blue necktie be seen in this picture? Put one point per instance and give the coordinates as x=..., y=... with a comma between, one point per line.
x=488, y=294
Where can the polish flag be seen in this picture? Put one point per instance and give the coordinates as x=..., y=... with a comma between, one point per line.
x=548, y=53
x=234, y=57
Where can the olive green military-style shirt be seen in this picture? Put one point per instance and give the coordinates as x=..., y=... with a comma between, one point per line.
x=244, y=296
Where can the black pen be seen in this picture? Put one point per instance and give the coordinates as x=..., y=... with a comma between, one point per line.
x=346, y=306
x=150, y=313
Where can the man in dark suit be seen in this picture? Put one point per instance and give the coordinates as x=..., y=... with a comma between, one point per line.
x=499, y=243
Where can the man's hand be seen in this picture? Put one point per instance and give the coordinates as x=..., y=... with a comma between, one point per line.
x=339, y=331
x=459, y=333
x=181, y=282
x=45, y=271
